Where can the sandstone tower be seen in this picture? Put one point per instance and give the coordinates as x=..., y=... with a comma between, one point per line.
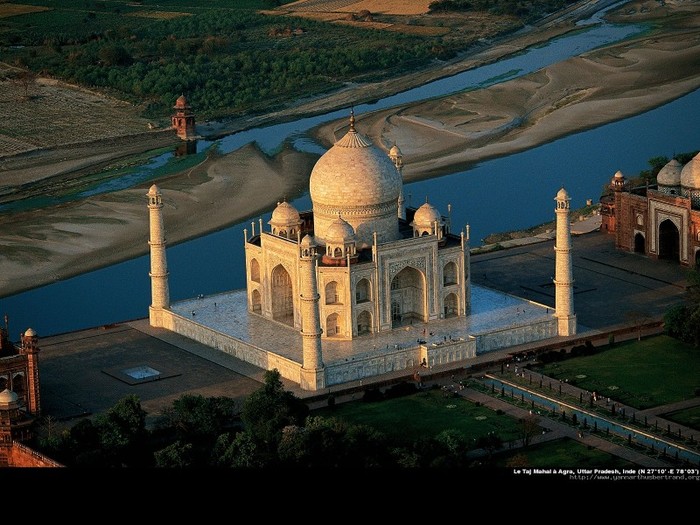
x=563, y=278
x=183, y=119
x=30, y=348
x=160, y=295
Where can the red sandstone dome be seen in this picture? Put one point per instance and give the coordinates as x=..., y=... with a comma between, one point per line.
x=181, y=103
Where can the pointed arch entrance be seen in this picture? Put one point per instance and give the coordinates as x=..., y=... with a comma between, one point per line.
x=451, y=305
x=408, y=297
x=669, y=241
x=333, y=328
x=282, y=296
x=639, y=244
x=256, y=301
x=364, y=323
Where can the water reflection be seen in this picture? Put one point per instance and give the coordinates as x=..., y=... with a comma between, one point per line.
x=591, y=421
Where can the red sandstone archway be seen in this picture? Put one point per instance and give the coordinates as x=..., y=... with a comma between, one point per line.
x=669, y=241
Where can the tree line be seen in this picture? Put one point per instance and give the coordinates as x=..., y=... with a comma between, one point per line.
x=527, y=10
x=226, y=61
x=273, y=429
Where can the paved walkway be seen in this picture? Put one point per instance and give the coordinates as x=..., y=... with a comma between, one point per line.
x=602, y=407
x=554, y=428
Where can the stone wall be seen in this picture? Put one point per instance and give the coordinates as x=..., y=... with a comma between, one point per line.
x=400, y=359
x=366, y=365
x=232, y=346
x=516, y=335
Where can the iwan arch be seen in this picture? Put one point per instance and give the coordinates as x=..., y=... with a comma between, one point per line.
x=360, y=285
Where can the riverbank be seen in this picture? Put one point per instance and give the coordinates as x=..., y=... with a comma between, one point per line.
x=42, y=246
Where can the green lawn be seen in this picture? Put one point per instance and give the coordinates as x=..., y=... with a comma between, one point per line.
x=641, y=374
x=426, y=414
x=689, y=417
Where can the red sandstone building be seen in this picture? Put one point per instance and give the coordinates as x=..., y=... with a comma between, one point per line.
x=19, y=401
x=661, y=221
x=183, y=119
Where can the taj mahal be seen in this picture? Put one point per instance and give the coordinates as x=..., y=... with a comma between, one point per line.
x=360, y=285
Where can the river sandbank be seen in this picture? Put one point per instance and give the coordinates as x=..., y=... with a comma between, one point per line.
x=439, y=136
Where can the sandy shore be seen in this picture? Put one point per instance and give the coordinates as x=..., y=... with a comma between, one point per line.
x=436, y=137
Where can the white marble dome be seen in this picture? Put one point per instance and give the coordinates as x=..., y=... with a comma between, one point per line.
x=670, y=174
x=285, y=214
x=357, y=180
x=690, y=175
x=340, y=232
x=426, y=216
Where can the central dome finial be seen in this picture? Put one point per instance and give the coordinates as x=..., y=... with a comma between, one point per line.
x=352, y=120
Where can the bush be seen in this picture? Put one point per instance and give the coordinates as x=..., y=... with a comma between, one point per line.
x=400, y=389
x=372, y=394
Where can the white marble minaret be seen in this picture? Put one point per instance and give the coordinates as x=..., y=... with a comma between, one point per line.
x=160, y=296
x=563, y=277
x=312, y=369
x=397, y=158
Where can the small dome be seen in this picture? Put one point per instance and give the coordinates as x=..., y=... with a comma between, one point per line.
x=394, y=151
x=181, y=102
x=426, y=215
x=340, y=232
x=308, y=242
x=562, y=194
x=690, y=175
x=670, y=174
x=8, y=399
x=30, y=333
x=285, y=214
x=618, y=182
x=153, y=190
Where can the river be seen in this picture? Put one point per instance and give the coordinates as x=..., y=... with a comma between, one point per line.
x=508, y=193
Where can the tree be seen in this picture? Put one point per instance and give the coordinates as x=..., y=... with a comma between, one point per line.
x=175, y=455
x=25, y=79
x=269, y=409
x=656, y=164
x=114, y=55
x=491, y=442
x=682, y=321
x=637, y=318
x=529, y=428
x=122, y=433
x=239, y=451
